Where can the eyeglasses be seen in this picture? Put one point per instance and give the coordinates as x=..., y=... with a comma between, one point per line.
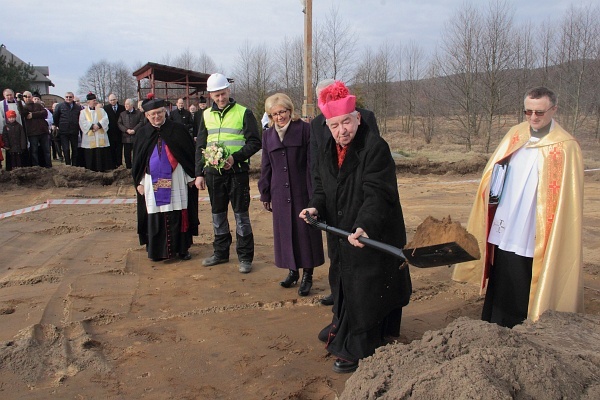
x=538, y=113
x=154, y=114
x=25, y=95
x=278, y=114
x=68, y=97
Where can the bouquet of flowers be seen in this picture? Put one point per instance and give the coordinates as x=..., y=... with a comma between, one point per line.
x=215, y=156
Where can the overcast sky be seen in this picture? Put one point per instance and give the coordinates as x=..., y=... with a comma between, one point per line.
x=68, y=36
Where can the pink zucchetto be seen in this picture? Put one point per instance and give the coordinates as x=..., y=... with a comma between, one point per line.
x=336, y=100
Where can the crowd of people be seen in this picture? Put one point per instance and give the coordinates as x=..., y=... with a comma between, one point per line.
x=91, y=135
x=527, y=215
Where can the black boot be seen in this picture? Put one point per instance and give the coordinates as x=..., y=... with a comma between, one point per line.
x=306, y=283
x=291, y=279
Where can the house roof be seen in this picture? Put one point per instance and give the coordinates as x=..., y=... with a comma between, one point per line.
x=40, y=73
x=174, y=75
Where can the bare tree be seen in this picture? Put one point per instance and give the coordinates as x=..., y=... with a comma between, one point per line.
x=382, y=80
x=459, y=64
x=577, y=47
x=103, y=78
x=525, y=62
x=206, y=64
x=428, y=107
x=364, y=78
x=97, y=80
x=412, y=71
x=337, y=43
x=497, y=57
x=289, y=67
x=254, y=76
x=123, y=83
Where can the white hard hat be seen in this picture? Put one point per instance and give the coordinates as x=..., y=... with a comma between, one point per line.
x=216, y=82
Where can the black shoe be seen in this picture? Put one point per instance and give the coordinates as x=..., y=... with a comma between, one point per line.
x=291, y=279
x=324, y=334
x=214, y=260
x=185, y=256
x=327, y=300
x=306, y=282
x=343, y=367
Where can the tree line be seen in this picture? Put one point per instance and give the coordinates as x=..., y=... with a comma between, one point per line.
x=474, y=80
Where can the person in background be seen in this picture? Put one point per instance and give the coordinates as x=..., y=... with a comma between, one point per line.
x=234, y=126
x=15, y=140
x=530, y=235
x=202, y=104
x=66, y=120
x=93, y=122
x=182, y=116
x=57, y=153
x=320, y=134
x=356, y=190
x=10, y=103
x=34, y=115
x=130, y=122
x=285, y=188
x=113, y=110
x=163, y=174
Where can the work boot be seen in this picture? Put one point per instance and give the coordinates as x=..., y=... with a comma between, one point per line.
x=214, y=260
x=245, y=267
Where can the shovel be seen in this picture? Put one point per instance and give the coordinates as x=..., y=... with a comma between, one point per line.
x=421, y=257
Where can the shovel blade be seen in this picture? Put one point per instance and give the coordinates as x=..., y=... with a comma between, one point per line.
x=437, y=255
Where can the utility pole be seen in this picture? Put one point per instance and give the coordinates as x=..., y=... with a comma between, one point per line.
x=308, y=107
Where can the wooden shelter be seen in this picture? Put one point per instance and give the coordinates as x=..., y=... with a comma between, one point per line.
x=171, y=83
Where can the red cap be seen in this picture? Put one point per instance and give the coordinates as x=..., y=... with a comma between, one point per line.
x=11, y=114
x=336, y=100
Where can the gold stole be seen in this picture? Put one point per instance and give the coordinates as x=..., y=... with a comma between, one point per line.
x=100, y=132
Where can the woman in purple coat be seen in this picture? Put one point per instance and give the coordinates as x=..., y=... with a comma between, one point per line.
x=285, y=188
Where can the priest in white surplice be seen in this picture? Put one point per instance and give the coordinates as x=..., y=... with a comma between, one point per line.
x=93, y=122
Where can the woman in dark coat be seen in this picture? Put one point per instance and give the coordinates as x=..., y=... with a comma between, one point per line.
x=356, y=190
x=285, y=187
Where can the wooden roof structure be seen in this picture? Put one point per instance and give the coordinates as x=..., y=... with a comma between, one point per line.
x=164, y=78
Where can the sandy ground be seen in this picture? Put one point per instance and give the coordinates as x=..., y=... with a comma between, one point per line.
x=85, y=315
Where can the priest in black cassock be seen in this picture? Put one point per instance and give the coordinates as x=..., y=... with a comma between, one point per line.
x=163, y=174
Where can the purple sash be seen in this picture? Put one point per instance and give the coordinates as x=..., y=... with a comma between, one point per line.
x=162, y=174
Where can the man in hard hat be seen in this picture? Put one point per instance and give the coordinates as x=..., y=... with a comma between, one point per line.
x=234, y=126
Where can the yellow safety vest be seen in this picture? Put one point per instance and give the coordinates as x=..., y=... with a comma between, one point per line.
x=226, y=127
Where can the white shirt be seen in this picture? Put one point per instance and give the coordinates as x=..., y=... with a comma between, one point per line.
x=179, y=194
x=513, y=227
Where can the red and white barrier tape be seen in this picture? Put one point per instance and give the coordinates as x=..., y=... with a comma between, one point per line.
x=23, y=210
x=70, y=202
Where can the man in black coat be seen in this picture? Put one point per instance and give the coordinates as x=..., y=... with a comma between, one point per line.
x=163, y=174
x=356, y=190
x=319, y=133
x=183, y=116
x=66, y=119
x=113, y=110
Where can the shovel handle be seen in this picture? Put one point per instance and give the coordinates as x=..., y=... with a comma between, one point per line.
x=386, y=248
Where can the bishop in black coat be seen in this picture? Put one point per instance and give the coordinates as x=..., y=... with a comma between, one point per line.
x=166, y=234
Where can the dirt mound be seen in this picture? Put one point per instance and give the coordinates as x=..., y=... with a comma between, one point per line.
x=63, y=176
x=556, y=357
x=424, y=166
x=45, y=355
x=432, y=231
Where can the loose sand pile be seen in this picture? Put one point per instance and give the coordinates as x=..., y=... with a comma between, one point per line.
x=432, y=231
x=557, y=357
